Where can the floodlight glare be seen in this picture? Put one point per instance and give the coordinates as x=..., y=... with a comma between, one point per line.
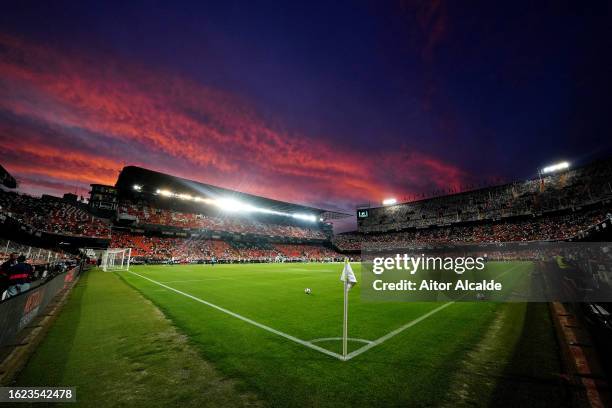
x=267, y=211
x=306, y=217
x=203, y=200
x=232, y=205
x=229, y=204
x=555, y=167
x=137, y=187
x=389, y=201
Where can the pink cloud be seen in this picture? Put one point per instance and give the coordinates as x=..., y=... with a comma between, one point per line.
x=169, y=123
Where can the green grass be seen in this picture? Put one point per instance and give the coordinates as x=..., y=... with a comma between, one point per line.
x=468, y=354
x=119, y=350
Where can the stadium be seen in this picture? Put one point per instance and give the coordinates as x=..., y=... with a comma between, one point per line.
x=271, y=204
x=227, y=269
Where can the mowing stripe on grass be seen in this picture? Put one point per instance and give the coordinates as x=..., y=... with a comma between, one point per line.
x=246, y=319
x=310, y=344
x=295, y=339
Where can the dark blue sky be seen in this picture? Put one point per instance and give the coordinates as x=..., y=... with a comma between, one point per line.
x=487, y=88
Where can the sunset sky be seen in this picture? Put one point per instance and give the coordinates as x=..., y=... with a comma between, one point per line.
x=329, y=104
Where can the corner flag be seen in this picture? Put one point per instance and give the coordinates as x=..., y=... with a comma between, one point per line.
x=349, y=279
x=347, y=275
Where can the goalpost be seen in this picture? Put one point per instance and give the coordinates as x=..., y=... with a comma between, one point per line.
x=116, y=259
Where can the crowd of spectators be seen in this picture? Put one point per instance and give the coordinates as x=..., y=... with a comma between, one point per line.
x=34, y=254
x=23, y=267
x=550, y=207
x=52, y=215
x=259, y=250
x=15, y=276
x=294, y=251
x=567, y=190
x=63, y=217
x=195, y=249
x=145, y=214
x=543, y=228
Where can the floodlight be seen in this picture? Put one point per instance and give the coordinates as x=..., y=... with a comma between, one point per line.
x=307, y=217
x=137, y=187
x=555, y=167
x=229, y=204
x=232, y=205
x=203, y=200
x=389, y=201
x=267, y=211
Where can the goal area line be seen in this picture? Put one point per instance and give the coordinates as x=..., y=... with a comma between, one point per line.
x=305, y=343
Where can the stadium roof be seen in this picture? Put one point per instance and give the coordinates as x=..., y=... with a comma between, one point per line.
x=149, y=181
x=6, y=179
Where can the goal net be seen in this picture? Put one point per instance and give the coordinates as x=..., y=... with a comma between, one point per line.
x=116, y=259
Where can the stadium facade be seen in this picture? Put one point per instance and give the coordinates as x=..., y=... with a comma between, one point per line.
x=164, y=217
x=566, y=205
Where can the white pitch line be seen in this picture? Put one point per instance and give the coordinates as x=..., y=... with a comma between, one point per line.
x=191, y=280
x=410, y=324
x=340, y=338
x=197, y=280
x=246, y=319
x=310, y=344
x=396, y=331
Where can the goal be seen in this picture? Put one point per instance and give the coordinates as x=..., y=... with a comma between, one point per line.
x=116, y=259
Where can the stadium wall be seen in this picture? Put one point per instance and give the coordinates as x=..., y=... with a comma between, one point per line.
x=18, y=312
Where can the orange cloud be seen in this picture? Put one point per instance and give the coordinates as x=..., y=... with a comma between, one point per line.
x=170, y=123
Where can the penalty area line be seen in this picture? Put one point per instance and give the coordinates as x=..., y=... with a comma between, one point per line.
x=246, y=319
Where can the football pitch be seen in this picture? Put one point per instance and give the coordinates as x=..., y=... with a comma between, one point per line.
x=255, y=325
